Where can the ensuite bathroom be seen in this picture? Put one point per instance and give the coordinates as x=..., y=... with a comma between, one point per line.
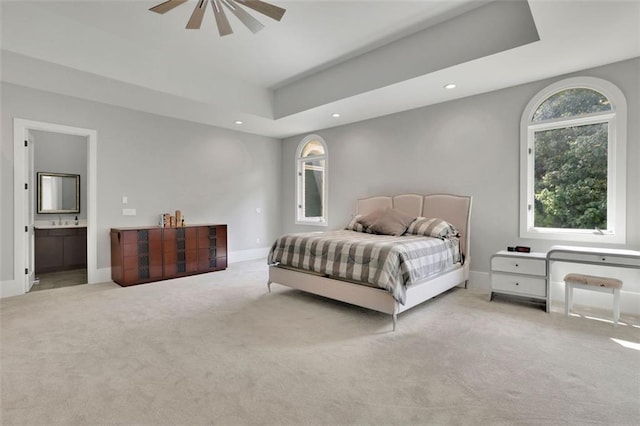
x=58, y=209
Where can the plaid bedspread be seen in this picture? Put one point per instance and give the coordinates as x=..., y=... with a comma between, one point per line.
x=384, y=261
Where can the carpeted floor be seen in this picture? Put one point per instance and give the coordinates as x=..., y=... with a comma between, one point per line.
x=218, y=349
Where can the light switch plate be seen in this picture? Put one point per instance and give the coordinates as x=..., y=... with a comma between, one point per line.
x=128, y=212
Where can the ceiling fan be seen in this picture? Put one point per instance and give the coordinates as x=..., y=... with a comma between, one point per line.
x=224, y=28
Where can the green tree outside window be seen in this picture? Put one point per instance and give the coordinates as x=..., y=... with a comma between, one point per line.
x=571, y=163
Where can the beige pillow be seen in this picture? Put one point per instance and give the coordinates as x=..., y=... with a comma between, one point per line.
x=368, y=219
x=434, y=227
x=391, y=222
x=355, y=225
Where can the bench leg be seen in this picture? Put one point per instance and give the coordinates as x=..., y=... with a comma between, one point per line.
x=616, y=306
x=568, y=298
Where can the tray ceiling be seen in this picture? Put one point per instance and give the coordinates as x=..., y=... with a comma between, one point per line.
x=362, y=59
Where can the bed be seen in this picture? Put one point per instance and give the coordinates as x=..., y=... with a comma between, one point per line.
x=379, y=292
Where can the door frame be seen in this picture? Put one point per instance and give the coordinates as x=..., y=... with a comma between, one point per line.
x=29, y=212
x=21, y=128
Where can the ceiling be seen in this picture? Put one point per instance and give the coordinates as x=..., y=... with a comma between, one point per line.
x=362, y=59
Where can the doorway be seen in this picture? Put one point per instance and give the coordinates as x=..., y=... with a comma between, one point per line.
x=24, y=196
x=59, y=194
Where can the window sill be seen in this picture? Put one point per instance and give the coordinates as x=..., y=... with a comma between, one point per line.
x=324, y=223
x=584, y=237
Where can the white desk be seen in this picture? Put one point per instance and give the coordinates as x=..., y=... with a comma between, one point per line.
x=616, y=258
x=529, y=274
x=595, y=256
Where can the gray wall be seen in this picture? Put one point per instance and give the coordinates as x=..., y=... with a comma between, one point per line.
x=469, y=146
x=213, y=175
x=60, y=153
x=466, y=146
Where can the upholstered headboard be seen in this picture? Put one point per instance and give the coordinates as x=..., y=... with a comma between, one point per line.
x=455, y=209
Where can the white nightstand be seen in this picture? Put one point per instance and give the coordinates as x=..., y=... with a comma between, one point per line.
x=520, y=274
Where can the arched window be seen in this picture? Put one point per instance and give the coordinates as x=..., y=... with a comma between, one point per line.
x=573, y=163
x=311, y=181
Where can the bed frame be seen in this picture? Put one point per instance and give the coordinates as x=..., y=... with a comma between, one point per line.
x=453, y=208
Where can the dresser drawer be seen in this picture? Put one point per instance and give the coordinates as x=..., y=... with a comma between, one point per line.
x=527, y=286
x=519, y=265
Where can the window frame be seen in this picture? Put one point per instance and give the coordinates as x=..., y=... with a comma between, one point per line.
x=616, y=120
x=299, y=179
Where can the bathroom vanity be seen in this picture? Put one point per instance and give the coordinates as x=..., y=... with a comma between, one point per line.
x=60, y=248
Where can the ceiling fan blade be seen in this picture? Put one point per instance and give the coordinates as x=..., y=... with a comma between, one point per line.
x=167, y=6
x=249, y=21
x=221, y=19
x=196, y=17
x=267, y=9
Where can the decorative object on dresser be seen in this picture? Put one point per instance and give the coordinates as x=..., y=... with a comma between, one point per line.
x=168, y=221
x=386, y=290
x=520, y=274
x=142, y=255
x=520, y=249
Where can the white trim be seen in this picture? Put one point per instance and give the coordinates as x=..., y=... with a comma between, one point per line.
x=251, y=254
x=103, y=275
x=479, y=280
x=21, y=128
x=617, y=170
x=574, y=122
x=324, y=220
x=11, y=288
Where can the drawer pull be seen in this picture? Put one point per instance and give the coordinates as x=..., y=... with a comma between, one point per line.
x=517, y=283
x=604, y=259
x=516, y=265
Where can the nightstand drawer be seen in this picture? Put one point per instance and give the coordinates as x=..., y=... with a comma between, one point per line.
x=517, y=265
x=519, y=285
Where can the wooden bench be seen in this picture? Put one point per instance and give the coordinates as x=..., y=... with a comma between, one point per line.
x=591, y=282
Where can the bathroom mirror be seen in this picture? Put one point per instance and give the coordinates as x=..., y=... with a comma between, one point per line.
x=58, y=193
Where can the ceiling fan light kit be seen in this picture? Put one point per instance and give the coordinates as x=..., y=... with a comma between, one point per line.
x=234, y=6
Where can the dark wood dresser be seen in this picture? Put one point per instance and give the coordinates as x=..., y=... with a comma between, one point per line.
x=142, y=255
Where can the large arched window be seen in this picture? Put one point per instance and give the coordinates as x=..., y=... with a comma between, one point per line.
x=573, y=163
x=311, y=181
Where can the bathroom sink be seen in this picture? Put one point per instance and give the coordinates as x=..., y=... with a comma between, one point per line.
x=49, y=225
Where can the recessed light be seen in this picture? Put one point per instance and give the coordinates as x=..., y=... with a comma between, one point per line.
x=335, y=115
x=238, y=122
x=450, y=86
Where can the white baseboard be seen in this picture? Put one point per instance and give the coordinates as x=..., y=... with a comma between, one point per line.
x=16, y=288
x=242, y=255
x=102, y=275
x=629, y=300
x=11, y=288
x=479, y=280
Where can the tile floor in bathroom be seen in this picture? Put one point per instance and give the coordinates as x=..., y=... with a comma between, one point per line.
x=52, y=280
